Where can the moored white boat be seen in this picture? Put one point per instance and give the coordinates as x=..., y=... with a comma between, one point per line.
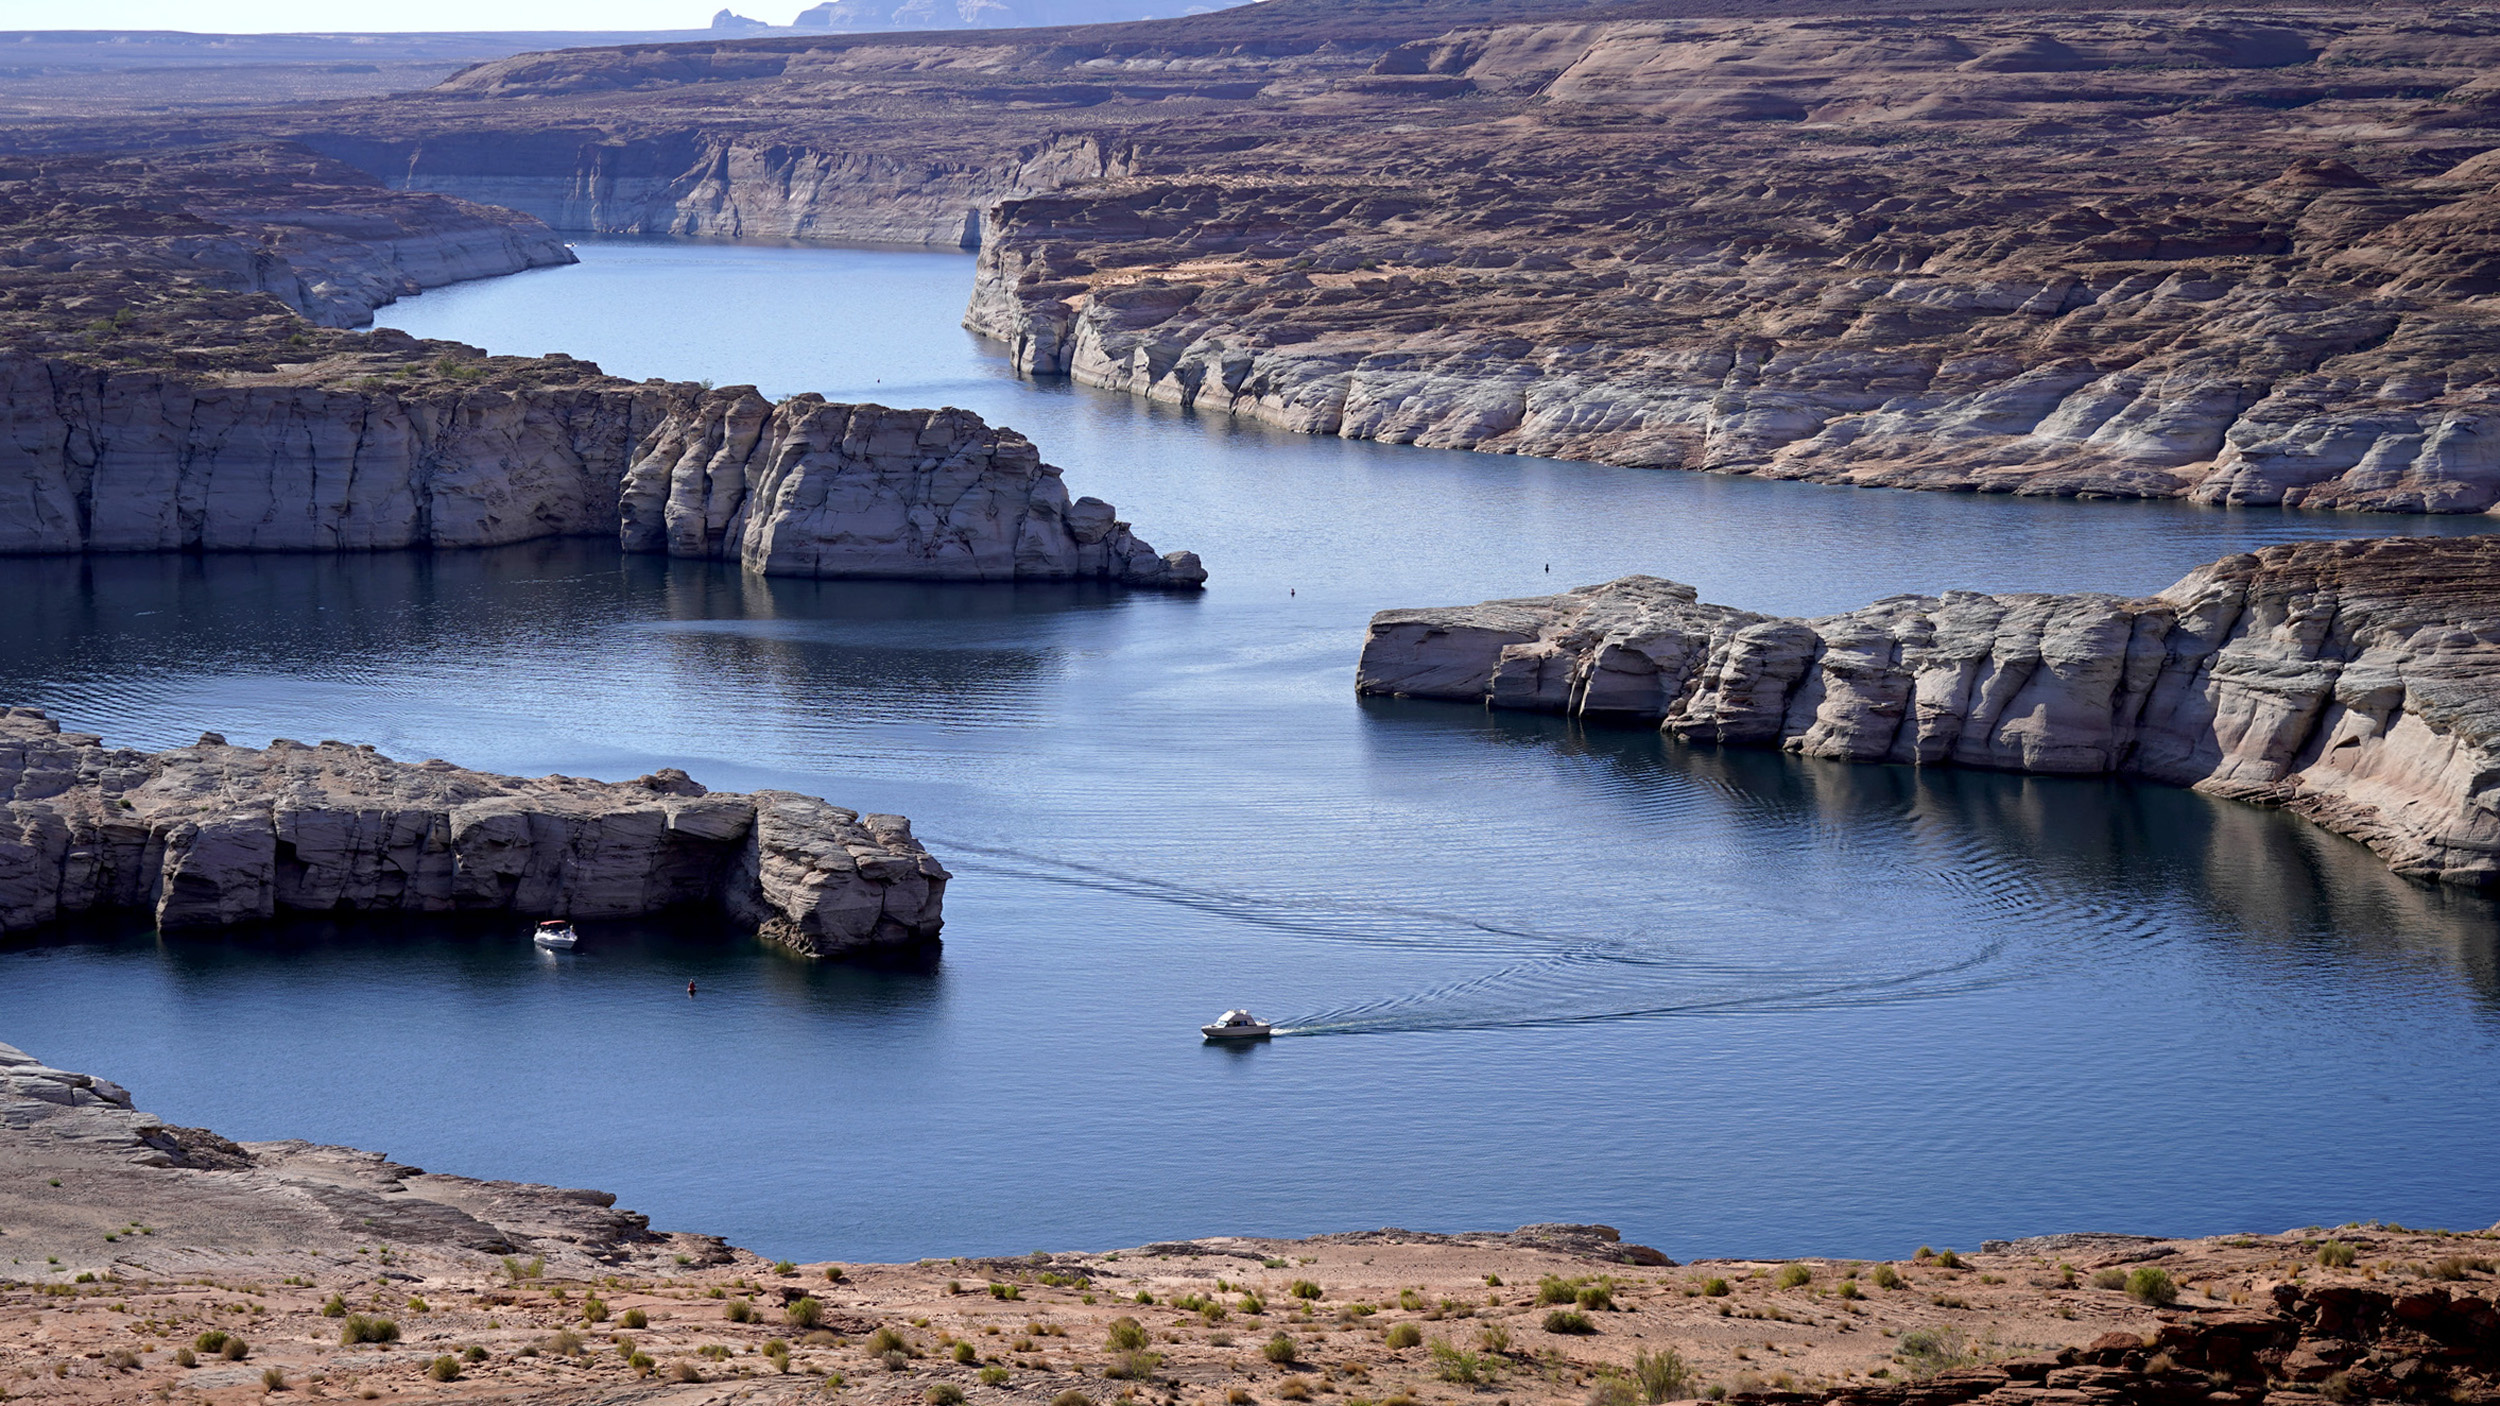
x=557, y=934
x=1237, y=1025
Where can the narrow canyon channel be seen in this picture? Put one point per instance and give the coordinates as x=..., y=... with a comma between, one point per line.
x=1730, y=1002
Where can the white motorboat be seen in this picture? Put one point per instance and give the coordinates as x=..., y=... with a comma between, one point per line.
x=557, y=935
x=1237, y=1025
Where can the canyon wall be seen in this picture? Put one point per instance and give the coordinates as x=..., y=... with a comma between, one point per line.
x=2351, y=682
x=104, y=460
x=212, y=835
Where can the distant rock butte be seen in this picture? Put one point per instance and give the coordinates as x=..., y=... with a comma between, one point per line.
x=2351, y=682
x=213, y=834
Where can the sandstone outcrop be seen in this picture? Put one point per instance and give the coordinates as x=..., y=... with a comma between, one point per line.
x=213, y=834
x=154, y=398
x=2355, y=683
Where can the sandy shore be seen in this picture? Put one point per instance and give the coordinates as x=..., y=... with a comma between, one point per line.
x=129, y=1248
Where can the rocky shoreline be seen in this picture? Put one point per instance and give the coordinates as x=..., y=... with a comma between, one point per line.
x=2353, y=683
x=171, y=384
x=213, y=835
x=163, y=1263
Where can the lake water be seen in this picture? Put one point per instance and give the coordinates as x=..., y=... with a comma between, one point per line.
x=1730, y=1002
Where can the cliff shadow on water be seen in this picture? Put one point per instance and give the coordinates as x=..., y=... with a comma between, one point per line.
x=1757, y=881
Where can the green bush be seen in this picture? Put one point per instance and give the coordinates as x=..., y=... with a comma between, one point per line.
x=641, y=1363
x=806, y=1313
x=1554, y=1289
x=1402, y=1336
x=209, y=1341
x=1715, y=1287
x=1411, y=1301
x=1126, y=1334
x=234, y=1349
x=360, y=1329
x=2109, y=1279
x=185, y=1357
x=565, y=1343
x=1597, y=1297
x=1279, y=1349
x=634, y=1318
x=966, y=1354
x=2152, y=1286
x=993, y=1376
x=1133, y=1366
x=1565, y=1320
x=1493, y=1338
x=1946, y=1259
x=2335, y=1254
x=1072, y=1397
x=594, y=1309
x=897, y=1361
x=784, y=1267
x=273, y=1379
x=944, y=1394
x=739, y=1311
x=445, y=1368
x=334, y=1306
x=1610, y=1389
x=1886, y=1277
x=1849, y=1289
x=1662, y=1375
x=1466, y=1368
x=1006, y=1291
x=1793, y=1275
x=1305, y=1289
x=886, y=1340
x=473, y=1353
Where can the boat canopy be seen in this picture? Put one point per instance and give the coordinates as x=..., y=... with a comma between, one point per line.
x=1238, y=1018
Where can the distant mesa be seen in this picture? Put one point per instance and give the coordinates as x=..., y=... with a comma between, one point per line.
x=727, y=23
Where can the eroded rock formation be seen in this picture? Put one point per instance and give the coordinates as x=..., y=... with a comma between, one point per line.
x=2356, y=683
x=214, y=834
x=161, y=390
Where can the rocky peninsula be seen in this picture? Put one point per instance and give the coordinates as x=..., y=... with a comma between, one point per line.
x=168, y=1263
x=172, y=380
x=214, y=834
x=2351, y=682
x=2229, y=252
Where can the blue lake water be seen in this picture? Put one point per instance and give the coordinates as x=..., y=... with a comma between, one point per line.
x=1730, y=1002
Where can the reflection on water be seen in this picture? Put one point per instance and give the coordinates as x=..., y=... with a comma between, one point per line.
x=1727, y=1000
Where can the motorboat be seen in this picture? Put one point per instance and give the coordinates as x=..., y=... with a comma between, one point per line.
x=1237, y=1025
x=557, y=935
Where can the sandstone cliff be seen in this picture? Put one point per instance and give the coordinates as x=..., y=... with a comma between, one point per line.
x=213, y=834
x=2352, y=682
x=169, y=384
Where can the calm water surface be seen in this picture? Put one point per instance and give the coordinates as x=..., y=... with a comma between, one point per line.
x=1727, y=1001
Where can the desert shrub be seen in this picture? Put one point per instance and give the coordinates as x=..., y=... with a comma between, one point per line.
x=2152, y=1286
x=1126, y=1334
x=1662, y=1375
x=886, y=1340
x=833, y=1274
x=1946, y=1259
x=1295, y=1389
x=334, y=1306
x=1554, y=1289
x=1715, y=1287
x=944, y=1394
x=1793, y=1275
x=1410, y=1300
x=1493, y=1337
x=273, y=1379
x=2335, y=1254
x=566, y=1342
x=1279, y=1349
x=683, y=1371
x=359, y=1329
x=1252, y=1304
x=966, y=1354
x=235, y=1349
x=738, y=1311
x=993, y=1376
x=473, y=1353
x=895, y=1361
x=784, y=1267
x=1849, y=1289
x=1451, y=1364
x=806, y=1313
x=419, y=1305
x=1072, y=1397
x=210, y=1341
x=1305, y=1289
x=1566, y=1320
x=2109, y=1279
x=1613, y=1390
x=514, y=1268
x=1402, y=1336
x=2337, y=1388
x=594, y=1309
x=641, y=1363
x=445, y=1368
x=634, y=1318
x=1886, y=1277
x=185, y=1357
x=1006, y=1291
x=1927, y=1351
x=1133, y=1366
x=2456, y=1267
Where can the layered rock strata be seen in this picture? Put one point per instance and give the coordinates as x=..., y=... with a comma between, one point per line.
x=168, y=383
x=212, y=834
x=2355, y=683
